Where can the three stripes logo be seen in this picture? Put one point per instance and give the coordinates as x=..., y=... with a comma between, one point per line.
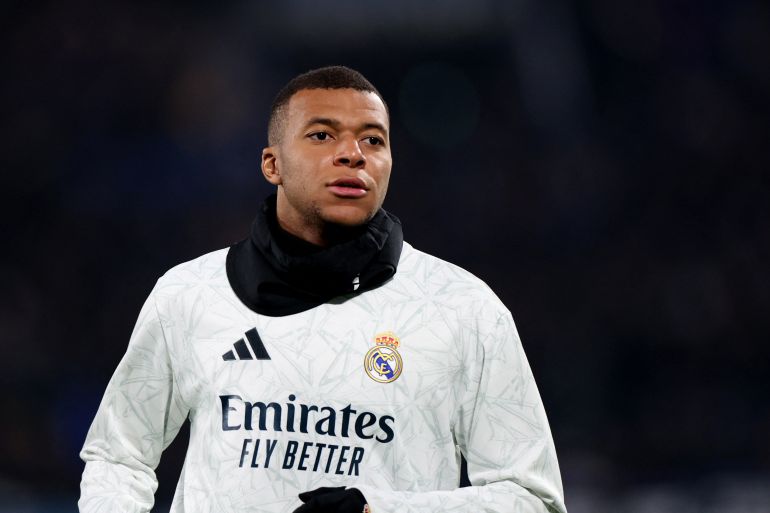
x=242, y=351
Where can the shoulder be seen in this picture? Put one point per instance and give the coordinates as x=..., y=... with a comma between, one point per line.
x=434, y=271
x=206, y=270
x=447, y=282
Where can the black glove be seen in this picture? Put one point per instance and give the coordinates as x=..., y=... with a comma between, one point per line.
x=332, y=500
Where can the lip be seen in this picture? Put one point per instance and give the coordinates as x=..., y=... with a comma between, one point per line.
x=348, y=187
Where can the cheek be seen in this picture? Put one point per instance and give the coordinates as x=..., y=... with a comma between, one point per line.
x=304, y=169
x=384, y=181
x=291, y=173
x=383, y=173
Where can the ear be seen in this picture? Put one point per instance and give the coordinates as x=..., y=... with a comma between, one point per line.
x=270, y=166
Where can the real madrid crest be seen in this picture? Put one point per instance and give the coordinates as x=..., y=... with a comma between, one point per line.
x=382, y=363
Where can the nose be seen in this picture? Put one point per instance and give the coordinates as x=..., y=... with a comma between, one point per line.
x=349, y=154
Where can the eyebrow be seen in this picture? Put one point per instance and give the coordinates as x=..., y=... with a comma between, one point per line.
x=333, y=123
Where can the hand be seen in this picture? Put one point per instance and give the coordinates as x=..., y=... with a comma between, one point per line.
x=333, y=500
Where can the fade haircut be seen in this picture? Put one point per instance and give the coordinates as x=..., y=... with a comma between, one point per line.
x=329, y=77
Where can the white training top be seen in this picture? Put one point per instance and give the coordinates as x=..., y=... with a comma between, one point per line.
x=380, y=391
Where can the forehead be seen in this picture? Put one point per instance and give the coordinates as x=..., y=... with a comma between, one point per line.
x=345, y=105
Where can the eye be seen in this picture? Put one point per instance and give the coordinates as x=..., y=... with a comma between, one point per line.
x=319, y=136
x=374, y=140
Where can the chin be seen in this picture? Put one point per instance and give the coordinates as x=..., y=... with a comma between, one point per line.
x=349, y=216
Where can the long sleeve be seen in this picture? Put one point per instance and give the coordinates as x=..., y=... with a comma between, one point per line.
x=140, y=414
x=502, y=430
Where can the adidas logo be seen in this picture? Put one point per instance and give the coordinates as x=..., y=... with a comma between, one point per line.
x=258, y=350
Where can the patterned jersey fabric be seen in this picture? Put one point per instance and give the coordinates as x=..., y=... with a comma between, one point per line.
x=381, y=391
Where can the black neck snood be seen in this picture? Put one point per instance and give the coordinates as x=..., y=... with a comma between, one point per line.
x=276, y=274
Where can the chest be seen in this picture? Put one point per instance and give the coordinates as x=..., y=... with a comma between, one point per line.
x=376, y=352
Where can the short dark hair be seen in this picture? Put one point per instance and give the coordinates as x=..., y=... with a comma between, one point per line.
x=328, y=77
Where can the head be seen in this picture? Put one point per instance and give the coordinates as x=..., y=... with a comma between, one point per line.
x=329, y=152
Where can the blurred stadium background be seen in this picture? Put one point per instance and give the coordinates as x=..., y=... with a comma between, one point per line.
x=603, y=165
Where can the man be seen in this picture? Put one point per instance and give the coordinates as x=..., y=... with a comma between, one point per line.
x=323, y=356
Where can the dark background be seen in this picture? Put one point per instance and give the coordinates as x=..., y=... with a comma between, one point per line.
x=603, y=165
